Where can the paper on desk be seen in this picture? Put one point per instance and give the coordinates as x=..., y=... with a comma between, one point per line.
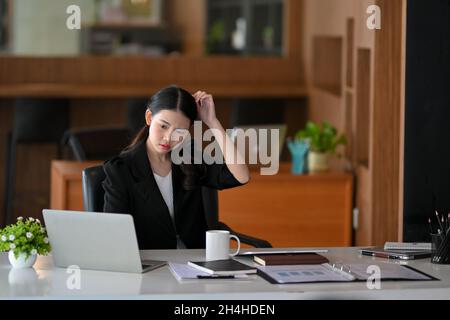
x=387, y=271
x=305, y=273
x=183, y=271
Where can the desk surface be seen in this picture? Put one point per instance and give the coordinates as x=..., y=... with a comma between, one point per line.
x=45, y=281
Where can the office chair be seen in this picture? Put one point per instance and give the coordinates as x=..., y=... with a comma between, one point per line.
x=36, y=120
x=96, y=143
x=102, y=143
x=93, y=200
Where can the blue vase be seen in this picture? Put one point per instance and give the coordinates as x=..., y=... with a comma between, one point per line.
x=298, y=151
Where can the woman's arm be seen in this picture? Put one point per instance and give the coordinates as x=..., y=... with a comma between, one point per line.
x=233, y=159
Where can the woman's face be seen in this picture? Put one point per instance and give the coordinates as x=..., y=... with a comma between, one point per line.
x=167, y=129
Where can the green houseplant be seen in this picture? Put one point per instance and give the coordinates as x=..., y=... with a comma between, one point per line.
x=322, y=140
x=216, y=37
x=24, y=240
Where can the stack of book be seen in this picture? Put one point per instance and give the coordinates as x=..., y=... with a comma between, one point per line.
x=289, y=259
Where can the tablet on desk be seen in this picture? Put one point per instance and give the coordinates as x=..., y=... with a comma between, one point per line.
x=395, y=254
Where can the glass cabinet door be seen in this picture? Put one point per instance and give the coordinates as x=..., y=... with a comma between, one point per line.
x=244, y=27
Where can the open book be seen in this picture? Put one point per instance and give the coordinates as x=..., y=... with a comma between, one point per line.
x=338, y=273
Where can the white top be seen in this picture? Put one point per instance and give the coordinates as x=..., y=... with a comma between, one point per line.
x=166, y=188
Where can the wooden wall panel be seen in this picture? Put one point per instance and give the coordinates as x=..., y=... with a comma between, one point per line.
x=294, y=24
x=378, y=131
x=349, y=131
x=327, y=63
x=363, y=101
x=350, y=48
x=141, y=70
x=365, y=230
x=136, y=76
x=326, y=106
x=387, y=120
x=189, y=20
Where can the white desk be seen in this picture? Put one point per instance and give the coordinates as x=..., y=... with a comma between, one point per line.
x=45, y=281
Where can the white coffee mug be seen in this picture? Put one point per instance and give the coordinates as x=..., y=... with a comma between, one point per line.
x=218, y=245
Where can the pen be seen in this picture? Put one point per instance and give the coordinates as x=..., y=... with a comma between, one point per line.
x=382, y=255
x=439, y=221
x=216, y=277
x=431, y=227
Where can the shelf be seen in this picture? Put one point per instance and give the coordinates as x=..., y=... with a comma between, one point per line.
x=125, y=24
x=81, y=91
x=327, y=64
x=130, y=37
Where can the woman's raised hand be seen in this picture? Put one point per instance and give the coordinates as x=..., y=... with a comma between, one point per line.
x=205, y=107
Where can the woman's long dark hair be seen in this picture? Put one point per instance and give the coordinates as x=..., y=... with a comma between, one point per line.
x=173, y=98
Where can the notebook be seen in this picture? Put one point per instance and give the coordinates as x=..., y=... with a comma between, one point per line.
x=332, y=273
x=183, y=271
x=395, y=254
x=245, y=253
x=222, y=267
x=290, y=259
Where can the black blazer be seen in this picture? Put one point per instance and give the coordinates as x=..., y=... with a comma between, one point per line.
x=130, y=187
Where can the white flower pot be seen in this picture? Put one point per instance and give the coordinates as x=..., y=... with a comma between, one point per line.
x=21, y=262
x=317, y=161
x=21, y=277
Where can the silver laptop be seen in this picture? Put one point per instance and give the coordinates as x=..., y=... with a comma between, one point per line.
x=97, y=241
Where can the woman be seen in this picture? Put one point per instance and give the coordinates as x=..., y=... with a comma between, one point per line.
x=166, y=199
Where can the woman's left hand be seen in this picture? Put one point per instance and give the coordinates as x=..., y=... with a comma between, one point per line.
x=205, y=107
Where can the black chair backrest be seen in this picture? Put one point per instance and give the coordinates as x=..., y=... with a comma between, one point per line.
x=93, y=195
x=96, y=143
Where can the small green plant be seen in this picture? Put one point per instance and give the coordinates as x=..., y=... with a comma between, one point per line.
x=26, y=236
x=216, y=36
x=322, y=138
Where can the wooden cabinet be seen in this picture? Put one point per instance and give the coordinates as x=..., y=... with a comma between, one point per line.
x=258, y=22
x=66, y=192
x=289, y=211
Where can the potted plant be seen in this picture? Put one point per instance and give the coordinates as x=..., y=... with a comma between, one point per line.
x=322, y=140
x=24, y=240
x=216, y=38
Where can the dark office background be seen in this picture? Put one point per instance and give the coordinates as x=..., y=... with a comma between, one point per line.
x=427, y=117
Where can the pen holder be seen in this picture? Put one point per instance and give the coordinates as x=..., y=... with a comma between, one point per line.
x=440, y=249
x=299, y=150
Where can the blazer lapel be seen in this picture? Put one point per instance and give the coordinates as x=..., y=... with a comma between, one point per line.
x=178, y=192
x=147, y=188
